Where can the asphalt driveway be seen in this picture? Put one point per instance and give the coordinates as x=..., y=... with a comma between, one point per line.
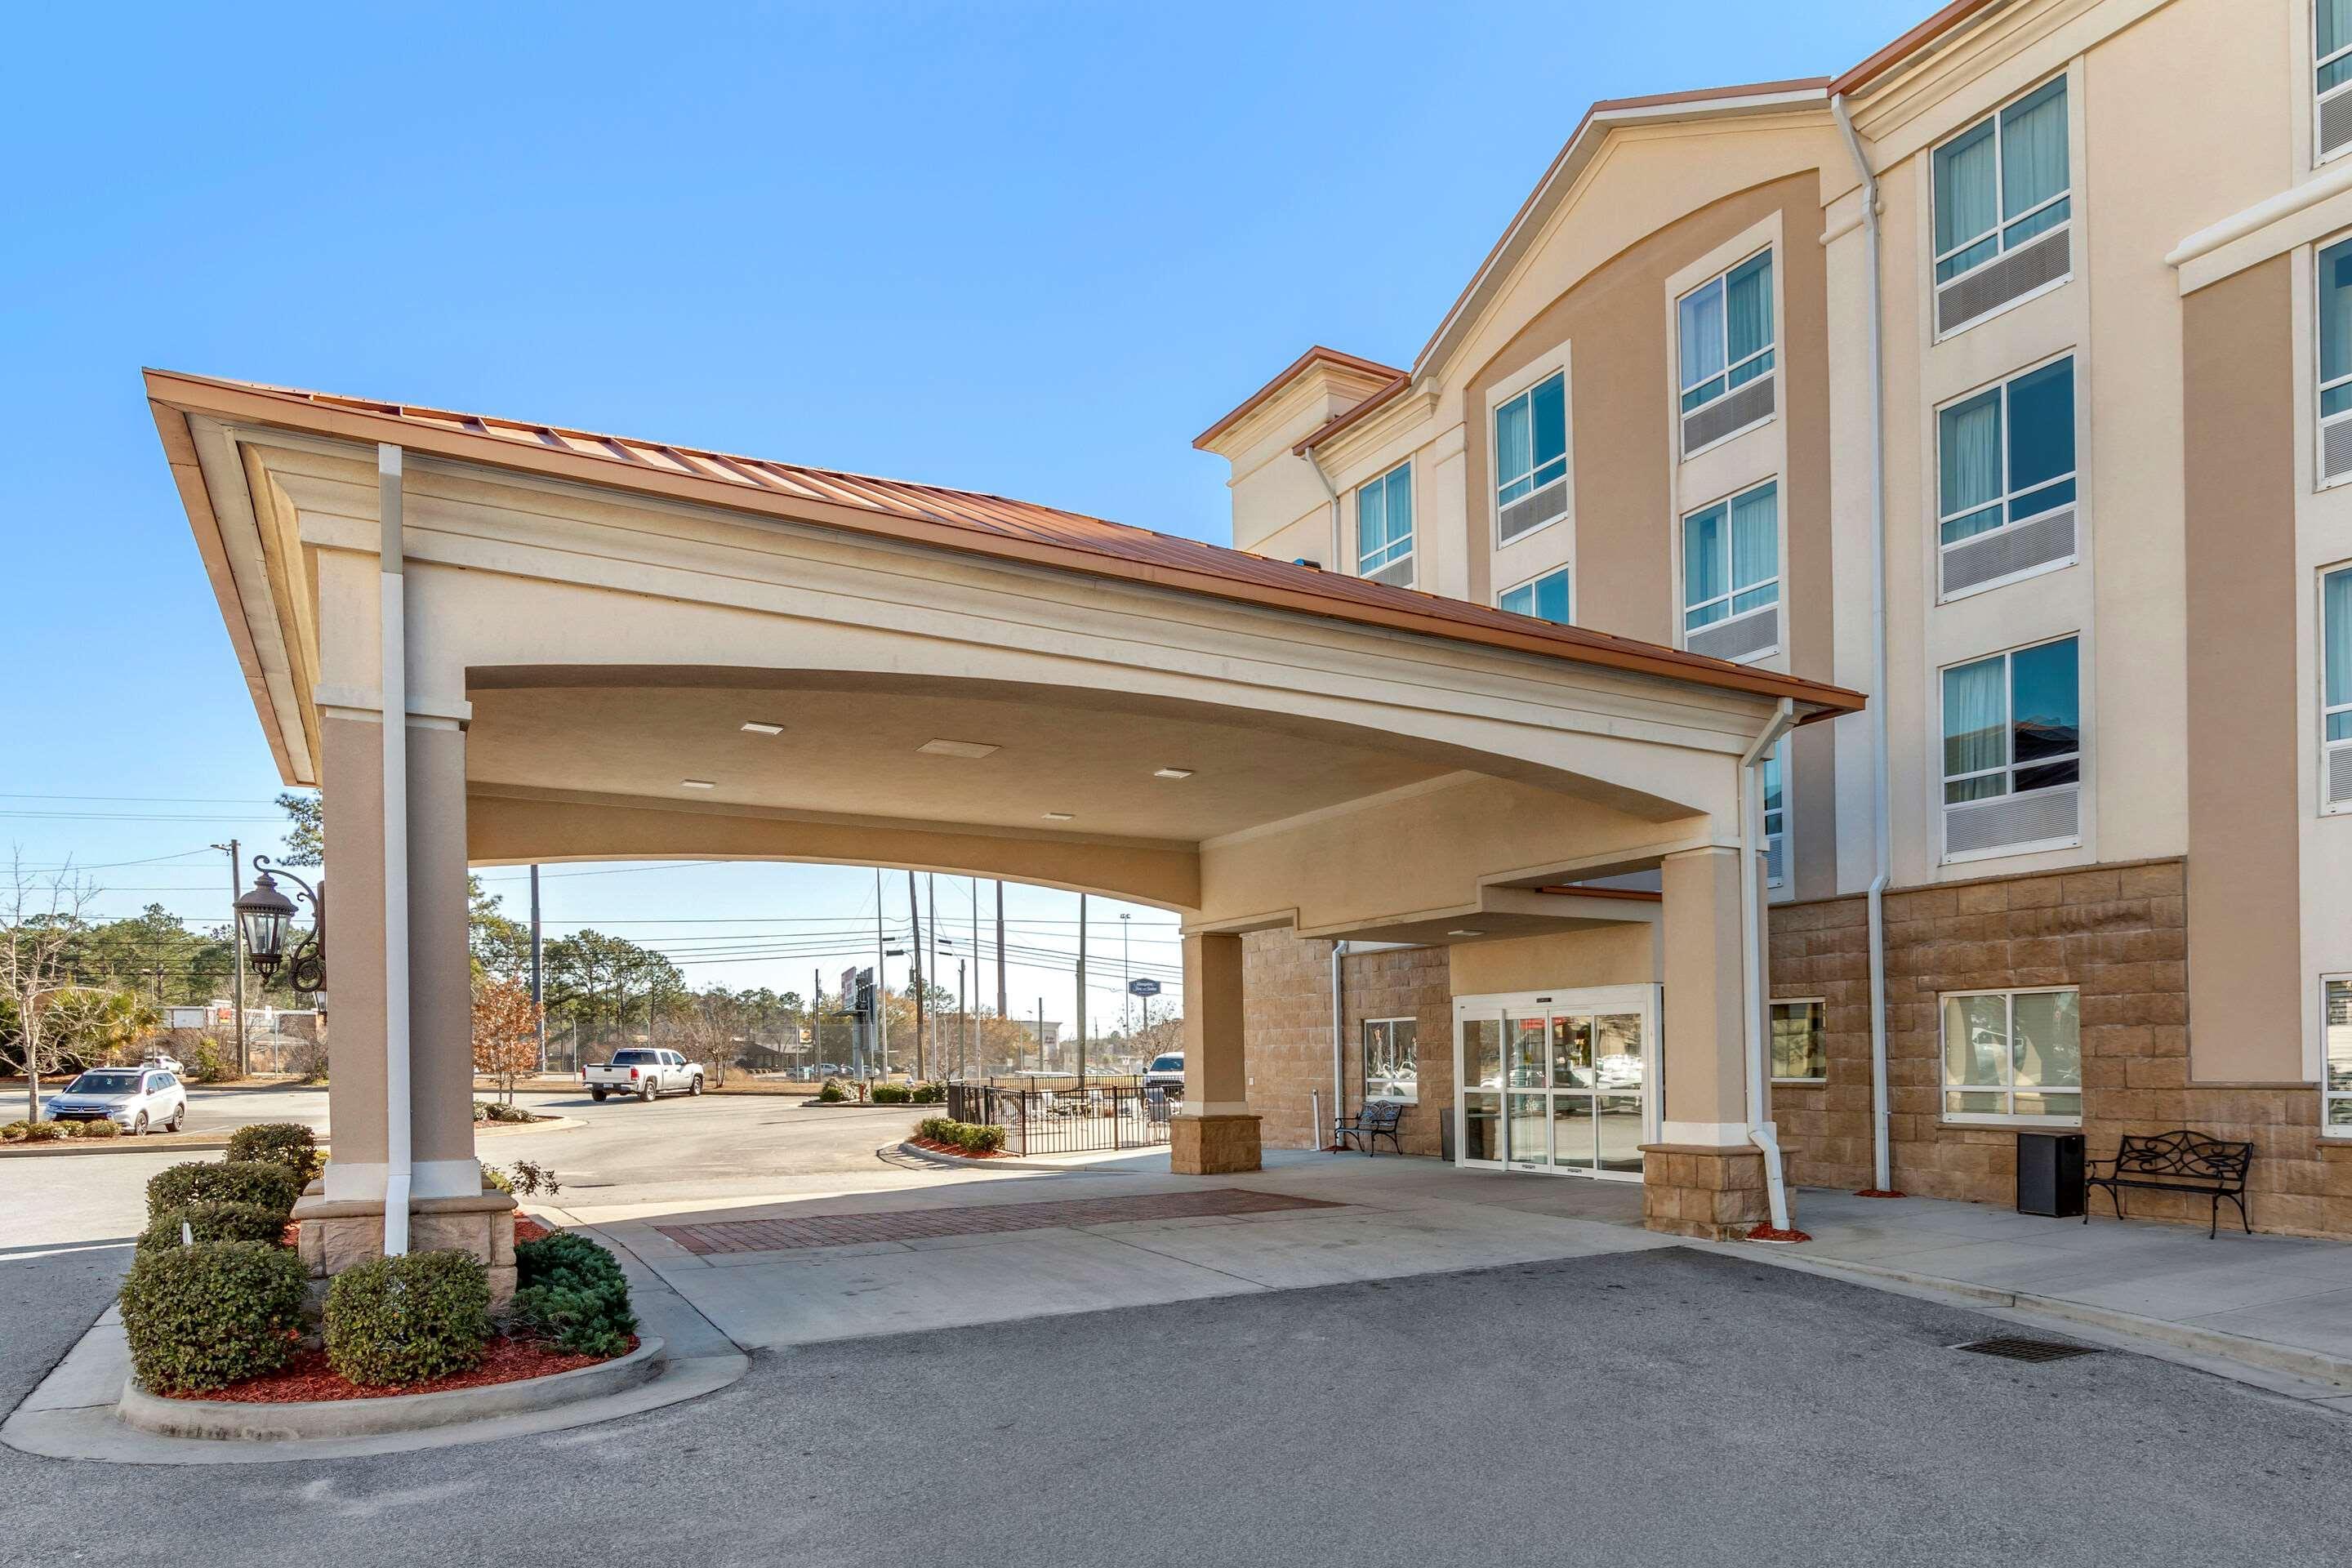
x=1666, y=1407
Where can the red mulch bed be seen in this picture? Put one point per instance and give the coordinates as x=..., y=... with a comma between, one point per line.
x=308, y=1377
x=530, y=1230
x=958, y=1150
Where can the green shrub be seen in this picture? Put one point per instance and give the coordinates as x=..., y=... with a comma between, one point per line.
x=892, y=1094
x=964, y=1135
x=209, y=1063
x=213, y=1221
x=287, y=1143
x=497, y=1178
x=203, y=1317
x=102, y=1128
x=831, y=1092
x=938, y=1128
x=15, y=1131
x=405, y=1319
x=570, y=1292
x=928, y=1093
x=262, y=1182
x=43, y=1132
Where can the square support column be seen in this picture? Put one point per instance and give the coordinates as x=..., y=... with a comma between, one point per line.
x=1704, y=1177
x=1215, y=1133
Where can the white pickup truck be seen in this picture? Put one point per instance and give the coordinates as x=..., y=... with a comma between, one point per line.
x=647, y=1073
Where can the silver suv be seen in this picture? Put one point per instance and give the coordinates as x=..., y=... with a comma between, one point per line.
x=137, y=1099
x=1166, y=1072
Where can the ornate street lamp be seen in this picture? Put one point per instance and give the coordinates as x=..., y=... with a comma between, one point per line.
x=267, y=915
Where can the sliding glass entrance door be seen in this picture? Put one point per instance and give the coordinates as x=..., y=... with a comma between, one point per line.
x=1557, y=1081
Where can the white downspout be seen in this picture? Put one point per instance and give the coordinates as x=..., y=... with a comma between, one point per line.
x=394, y=655
x=1761, y=1129
x=1882, y=1176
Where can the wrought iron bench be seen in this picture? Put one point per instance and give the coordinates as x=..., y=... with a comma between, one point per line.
x=1376, y=1121
x=2178, y=1161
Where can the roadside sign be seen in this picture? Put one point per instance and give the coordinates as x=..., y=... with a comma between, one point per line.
x=1144, y=988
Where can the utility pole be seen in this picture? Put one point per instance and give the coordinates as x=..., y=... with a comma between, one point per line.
x=963, y=1033
x=915, y=913
x=1041, y=1034
x=538, y=977
x=237, y=947
x=1003, y=1013
x=881, y=979
x=1082, y=991
x=972, y=1023
x=932, y=891
x=816, y=1021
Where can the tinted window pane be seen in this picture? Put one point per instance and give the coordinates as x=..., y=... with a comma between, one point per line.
x=1551, y=597
x=1976, y=1040
x=1967, y=201
x=2041, y=425
x=2045, y=696
x=2046, y=1036
x=1701, y=332
x=1513, y=453
x=1705, y=560
x=2034, y=149
x=2336, y=311
x=1551, y=420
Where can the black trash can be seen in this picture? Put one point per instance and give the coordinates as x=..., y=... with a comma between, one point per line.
x=2050, y=1174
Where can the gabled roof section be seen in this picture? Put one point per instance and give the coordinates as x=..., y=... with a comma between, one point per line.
x=967, y=521
x=1313, y=356
x=1926, y=36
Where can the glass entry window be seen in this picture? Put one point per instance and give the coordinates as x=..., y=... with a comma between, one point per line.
x=1557, y=1081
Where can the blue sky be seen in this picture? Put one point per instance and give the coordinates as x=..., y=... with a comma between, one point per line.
x=1024, y=248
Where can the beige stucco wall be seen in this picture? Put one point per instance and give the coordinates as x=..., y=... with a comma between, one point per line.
x=1626, y=955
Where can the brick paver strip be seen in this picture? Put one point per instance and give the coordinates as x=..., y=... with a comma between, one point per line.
x=915, y=1224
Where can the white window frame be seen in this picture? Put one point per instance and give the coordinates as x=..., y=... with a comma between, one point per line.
x=1820, y=1002
x=1771, y=350
x=1566, y=569
x=1364, y=1062
x=1778, y=756
x=2008, y=490
x=2330, y=1096
x=2080, y=756
x=1945, y=1086
x=1683, y=628
x=2319, y=154
x=1366, y=568
x=2327, y=748
x=1526, y=387
x=2001, y=225
x=2318, y=362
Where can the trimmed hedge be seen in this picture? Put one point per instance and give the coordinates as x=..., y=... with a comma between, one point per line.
x=211, y=1221
x=909, y=1093
x=406, y=1320
x=965, y=1135
x=287, y=1143
x=203, y=1317
x=262, y=1182
x=831, y=1092
x=570, y=1292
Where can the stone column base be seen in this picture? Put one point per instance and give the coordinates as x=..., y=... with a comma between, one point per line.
x=335, y=1234
x=1695, y=1189
x=1211, y=1146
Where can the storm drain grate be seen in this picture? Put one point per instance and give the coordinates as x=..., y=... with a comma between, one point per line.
x=2012, y=1348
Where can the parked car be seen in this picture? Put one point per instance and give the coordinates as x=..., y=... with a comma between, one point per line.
x=169, y=1063
x=138, y=1100
x=646, y=1073
x=1166, y=1072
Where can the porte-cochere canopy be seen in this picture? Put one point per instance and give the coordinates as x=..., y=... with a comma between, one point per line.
x=612, y=648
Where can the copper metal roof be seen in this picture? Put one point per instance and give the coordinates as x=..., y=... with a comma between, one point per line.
x=964, y=521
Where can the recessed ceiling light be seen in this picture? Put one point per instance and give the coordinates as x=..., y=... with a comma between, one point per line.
x=756, y=727
x=956, y=748
x=1172, y=773
x=699, y=784
x=1060, y=816
x=1465, y=931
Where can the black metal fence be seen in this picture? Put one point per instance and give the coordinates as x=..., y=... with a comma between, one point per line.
x=1066, y=1121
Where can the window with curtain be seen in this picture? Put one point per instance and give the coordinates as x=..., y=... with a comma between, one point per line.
x=1384, y=526
x=1799, y=1050
x=1531, y=447
x=2335, y=1032
x=2335, y=331
x=1725, y=327
x=1776, y=814
x=1731, y=558
x=2335, y=622
x=2006, y=454
x=2013, y=1055
x=2332, y=45
x=2003, y=180
x=2013, y=723
x=1546, y=598
x=1391, y=1064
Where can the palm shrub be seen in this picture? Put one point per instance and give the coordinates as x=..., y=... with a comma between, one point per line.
x=211, y=1220
x=262, y=1182
x=203, y=1317
x=572, y=1293
x=409, y=1319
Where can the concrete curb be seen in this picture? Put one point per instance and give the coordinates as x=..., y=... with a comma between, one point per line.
x=224, y=1420
x=2318, y=1366
x=553, y=1124
x=123, y=1144
x=968, y=1162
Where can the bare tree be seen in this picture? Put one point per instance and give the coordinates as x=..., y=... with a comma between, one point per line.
x=39, y=922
